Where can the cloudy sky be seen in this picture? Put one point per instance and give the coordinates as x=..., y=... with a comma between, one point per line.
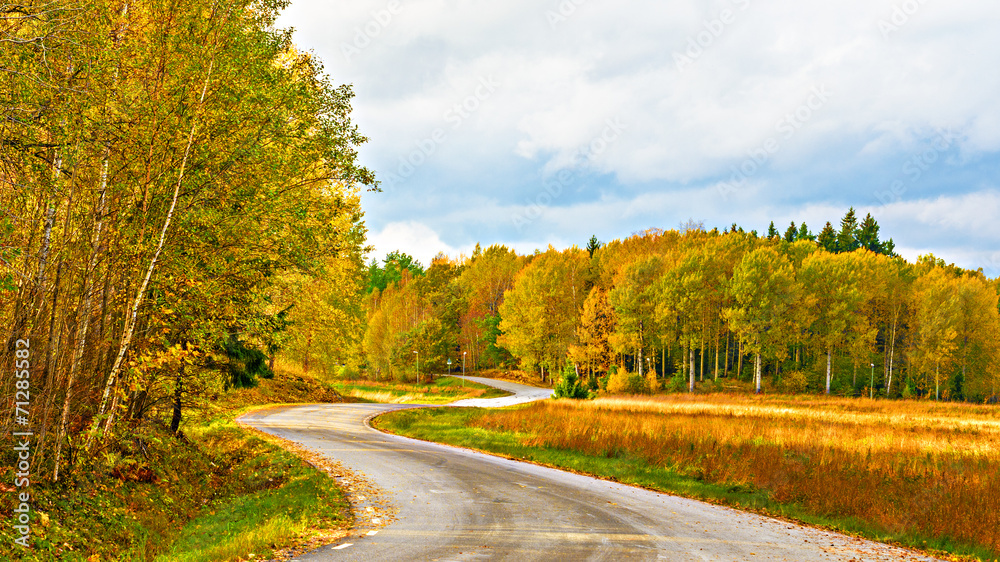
x=536, y=122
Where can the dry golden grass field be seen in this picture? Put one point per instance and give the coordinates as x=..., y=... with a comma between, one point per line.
x=924, y=468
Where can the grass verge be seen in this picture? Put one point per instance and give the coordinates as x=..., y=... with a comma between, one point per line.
x=525, y=440
x=214, y=492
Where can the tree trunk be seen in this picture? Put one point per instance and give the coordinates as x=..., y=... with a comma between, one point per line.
x=701, y=350
x=725, y=369
x=829, y=370
x=937, y=381
x=305, y=359
x=83, y=315
x=892, y=349
x=691, y=365
x=48, y=370
x=130, y=320
x=739, y=368
x=716, y=358
x=640, y=349
x=175, y=420
x=757, y=373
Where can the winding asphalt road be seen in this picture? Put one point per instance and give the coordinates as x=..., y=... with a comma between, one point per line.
x=455, y=504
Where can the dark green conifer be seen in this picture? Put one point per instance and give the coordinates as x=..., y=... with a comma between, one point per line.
x=828, y=238
x=847, y=238
x=791, y=235
x=868, y=235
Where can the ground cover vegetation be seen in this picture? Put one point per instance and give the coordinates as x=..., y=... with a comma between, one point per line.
x=837, y=313
x=919, y=473
x=214, y=491
x=177, y=182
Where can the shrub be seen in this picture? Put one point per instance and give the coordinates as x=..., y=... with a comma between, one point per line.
x=623, y=382
x=345, y=372
x=569, y=385
x=652, y=383
x=794, y=382
x=677, y=383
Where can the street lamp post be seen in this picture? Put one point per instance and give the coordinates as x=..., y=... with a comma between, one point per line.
x=418, y=366
x=871, y=385
x=463, y=367
x=449, y=366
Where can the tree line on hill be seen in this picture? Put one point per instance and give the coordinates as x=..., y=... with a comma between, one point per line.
x=838, y=312
x=174, y=176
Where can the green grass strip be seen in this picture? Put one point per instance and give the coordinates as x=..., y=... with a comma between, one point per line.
x=286, y=499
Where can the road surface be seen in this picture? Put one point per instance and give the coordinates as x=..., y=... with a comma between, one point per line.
x=423, y=501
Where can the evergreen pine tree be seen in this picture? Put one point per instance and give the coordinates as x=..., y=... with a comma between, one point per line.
x=771, y=231
x=847, y=239
x=593, y=245
x=804, y=233
x=889, y=248
x=828, y=238
x=791, y=235
x=868, y=235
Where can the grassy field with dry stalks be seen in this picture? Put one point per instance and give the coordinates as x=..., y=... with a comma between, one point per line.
x=908, y=467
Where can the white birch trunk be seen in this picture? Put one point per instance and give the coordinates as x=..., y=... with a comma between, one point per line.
x=691, y=367
x=829, y=368
x=757, y=372
x=130, y=320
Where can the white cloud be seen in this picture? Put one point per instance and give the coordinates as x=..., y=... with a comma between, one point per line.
x=604, y=60
x=744, y=83
x=413, y=238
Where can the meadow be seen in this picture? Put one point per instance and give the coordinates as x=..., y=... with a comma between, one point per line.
x=922, y=474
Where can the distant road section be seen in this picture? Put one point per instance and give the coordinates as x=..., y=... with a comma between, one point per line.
x=453, y=504
x=520, y=394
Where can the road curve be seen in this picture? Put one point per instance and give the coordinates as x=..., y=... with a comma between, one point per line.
x=520, y=394
x=456, y=504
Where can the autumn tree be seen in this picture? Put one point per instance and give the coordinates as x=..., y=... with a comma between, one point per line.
x=937, y=310
x=484, y=282
x=164, y=164
x=832, y=299
x=764, y=293
x=634, y=299
x=540, y=313
x=597, y=324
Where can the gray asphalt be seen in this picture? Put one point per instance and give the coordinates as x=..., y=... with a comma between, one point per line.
x=454, y=504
